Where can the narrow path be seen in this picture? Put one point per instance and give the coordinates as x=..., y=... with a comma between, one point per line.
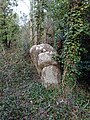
x=15, y=71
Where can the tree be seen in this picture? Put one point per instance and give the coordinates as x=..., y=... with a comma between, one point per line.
x=8, y=22
x=72, y=26
x=71, y=21
x=37, y=20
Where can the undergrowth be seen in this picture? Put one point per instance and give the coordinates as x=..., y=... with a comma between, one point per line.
x=23, y=98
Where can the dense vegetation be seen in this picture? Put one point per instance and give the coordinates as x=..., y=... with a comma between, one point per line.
x=71, y=27
x=65, y=24
x=8, y=22
x=23, y=98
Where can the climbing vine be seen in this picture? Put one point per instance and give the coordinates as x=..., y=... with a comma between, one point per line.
x=71, y=21
x=72, y=49
x=72, y=25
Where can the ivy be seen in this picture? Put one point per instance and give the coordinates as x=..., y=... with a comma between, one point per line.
x=72, y=25
x=71, y=21
x=71, y=54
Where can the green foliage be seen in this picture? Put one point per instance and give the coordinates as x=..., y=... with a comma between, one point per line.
x=23, y=98
x=78, y=28
x=37, y=20
x=72, y=27
x=8, y=22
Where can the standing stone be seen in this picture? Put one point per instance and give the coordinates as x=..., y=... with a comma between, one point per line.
x=50, y=76
x=45, y=59
x=47, y=67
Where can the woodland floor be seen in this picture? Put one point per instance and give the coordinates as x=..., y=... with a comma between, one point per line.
x=23, y=98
